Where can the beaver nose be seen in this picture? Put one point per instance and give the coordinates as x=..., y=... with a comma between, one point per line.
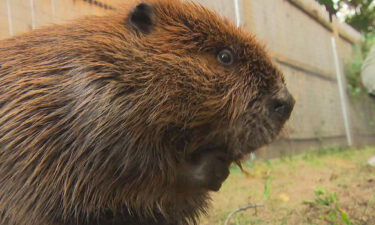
x=281, y=105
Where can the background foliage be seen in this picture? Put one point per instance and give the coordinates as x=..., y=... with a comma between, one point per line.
x=360, y=14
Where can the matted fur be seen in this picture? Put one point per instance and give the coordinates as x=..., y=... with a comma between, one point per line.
x=96, y=117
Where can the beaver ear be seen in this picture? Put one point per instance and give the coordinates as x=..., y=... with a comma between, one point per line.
x=141, y=17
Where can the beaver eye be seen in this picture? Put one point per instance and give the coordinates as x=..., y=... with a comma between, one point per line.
x=225, y=57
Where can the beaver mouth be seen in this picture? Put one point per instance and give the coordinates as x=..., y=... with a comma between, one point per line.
x=244, y=138
x=240, y=145
x=232, y=153
x=215, y=146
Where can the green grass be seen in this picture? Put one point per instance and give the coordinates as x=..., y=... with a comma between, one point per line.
x=328, y=186
x=328, y=207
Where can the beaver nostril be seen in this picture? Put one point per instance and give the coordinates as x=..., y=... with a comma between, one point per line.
x=281, y=105
x=281, y=108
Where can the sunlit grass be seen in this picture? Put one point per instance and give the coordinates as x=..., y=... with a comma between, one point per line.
x=284, y=185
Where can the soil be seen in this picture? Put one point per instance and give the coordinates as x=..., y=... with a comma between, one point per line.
x=287, y=190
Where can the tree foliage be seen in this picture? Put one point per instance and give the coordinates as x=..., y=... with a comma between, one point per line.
x=361, y=14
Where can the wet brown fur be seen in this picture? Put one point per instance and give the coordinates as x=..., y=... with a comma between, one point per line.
x=96, y=118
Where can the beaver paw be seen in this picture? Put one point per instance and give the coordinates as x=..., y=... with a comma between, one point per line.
x=206, y=170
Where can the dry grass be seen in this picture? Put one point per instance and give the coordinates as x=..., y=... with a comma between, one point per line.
x=330, y=186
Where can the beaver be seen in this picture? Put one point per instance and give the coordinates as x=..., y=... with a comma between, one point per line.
x=132, y=117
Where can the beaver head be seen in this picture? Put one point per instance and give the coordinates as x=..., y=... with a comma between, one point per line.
x=214, y=86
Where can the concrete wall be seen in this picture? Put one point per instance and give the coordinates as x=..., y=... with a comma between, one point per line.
x=297, y=34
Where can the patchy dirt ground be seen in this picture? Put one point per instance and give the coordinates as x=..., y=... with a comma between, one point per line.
x=330, y=186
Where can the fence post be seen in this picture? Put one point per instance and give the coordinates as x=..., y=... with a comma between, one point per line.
x=10, y=19
x=341, y=83
x=237, y=12
x=53, y=10
x=32, y=8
